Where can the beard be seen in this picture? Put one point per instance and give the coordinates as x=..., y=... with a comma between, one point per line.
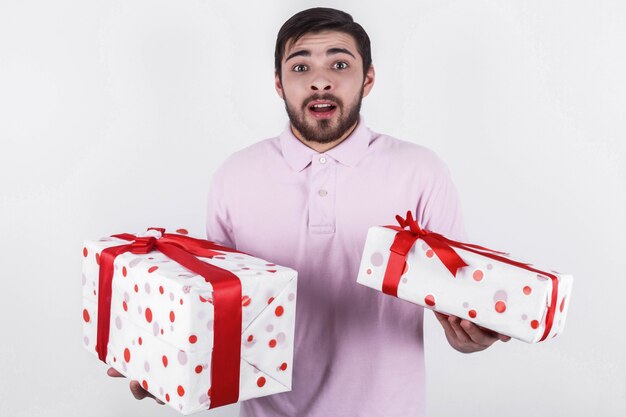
x=323, y=131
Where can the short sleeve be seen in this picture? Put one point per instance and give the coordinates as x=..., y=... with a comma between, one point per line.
x=440, y=207
x=218, y=222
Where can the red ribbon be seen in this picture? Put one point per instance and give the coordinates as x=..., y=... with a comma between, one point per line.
x=226, y=302
x=442, y=246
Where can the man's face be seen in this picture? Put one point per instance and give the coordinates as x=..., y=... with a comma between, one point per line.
x=323, y=85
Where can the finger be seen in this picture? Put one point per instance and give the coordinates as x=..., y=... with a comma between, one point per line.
x=114, y=373
x=440, y=316
x=138, y=392
x=458, y=330
x=504, y=338
x=478, y=335
x=447, y=328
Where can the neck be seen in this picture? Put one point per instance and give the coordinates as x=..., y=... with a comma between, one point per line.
x=322, y=147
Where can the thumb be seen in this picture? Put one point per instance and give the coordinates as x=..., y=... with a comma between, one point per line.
x=112, y=372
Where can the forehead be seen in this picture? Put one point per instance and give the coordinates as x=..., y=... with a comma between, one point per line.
x=321, y=41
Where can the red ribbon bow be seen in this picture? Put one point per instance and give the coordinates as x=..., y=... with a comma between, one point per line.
x=226, y=302
x=443, y=248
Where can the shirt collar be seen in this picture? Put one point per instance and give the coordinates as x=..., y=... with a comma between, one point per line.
x=349, y=152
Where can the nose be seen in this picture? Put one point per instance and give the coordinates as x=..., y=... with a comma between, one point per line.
x=321, y=83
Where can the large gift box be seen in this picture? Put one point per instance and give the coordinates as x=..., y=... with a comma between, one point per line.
x=481, y=285
x=198, y=324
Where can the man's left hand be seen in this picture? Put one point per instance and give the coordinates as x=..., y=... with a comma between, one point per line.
x=467, y=337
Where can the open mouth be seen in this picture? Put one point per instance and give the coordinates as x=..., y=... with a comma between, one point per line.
x=322, y=110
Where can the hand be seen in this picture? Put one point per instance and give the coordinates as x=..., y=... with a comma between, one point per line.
x=467, y=337
x=135, y=387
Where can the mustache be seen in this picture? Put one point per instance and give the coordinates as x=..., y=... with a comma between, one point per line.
x=326, y=96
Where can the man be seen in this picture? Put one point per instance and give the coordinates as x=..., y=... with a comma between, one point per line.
x=306, y=198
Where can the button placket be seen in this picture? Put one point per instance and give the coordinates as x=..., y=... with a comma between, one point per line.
x=321, y=195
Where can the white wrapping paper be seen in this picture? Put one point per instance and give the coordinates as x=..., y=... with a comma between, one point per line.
x=162, y=324
x=495, y=295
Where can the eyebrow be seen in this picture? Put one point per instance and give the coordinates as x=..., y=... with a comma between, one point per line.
x=331, y=51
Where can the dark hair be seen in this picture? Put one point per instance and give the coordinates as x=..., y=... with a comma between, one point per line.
x=316, y=20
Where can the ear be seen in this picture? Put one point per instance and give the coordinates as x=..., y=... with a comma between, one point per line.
x=368, y=82
x=278, y=86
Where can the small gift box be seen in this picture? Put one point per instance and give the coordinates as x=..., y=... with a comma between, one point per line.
x=198, y=324
x=483, y=286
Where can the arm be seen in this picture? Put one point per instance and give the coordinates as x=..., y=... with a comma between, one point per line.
x=440, y=211
x=218, y=230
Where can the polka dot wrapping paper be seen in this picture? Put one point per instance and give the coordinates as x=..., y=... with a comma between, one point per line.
x=162, y=323
x=493, y=294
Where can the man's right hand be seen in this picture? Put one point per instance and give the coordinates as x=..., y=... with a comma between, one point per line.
x=135, y=387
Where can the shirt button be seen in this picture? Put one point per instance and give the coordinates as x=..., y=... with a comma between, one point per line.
x=322, y=193
x=323, y=160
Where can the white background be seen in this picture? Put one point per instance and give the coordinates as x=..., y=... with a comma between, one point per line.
x=114, y=114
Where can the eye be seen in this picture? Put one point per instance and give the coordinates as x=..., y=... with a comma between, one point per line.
x=299, y=68
x=341, y=65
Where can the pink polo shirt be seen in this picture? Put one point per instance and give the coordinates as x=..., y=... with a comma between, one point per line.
x=357, y=352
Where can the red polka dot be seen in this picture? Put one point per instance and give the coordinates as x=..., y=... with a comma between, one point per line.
x=85, y=252
x=172, y=316
x=245, y=301
x=279, y=311
x=164, y=360
x=272, y=343
x=124, y=306
x=124, y=271
x=198, y=369
x=430, y=253
x=98, y=258
x=260, y=382
x=144, y=384
x=369, y=271
x=140, y=341
x=167, y=397
x=114, y=359
x=562, y=305
x=527, y=290
x=152, y=269
x=205, y=300
x=472, y=313
x=180, y=390
x=270, y=300
x=193, y=338
x=161, y=289
x=208, y=392
x=161, y=331
x=182, y=231
x=534, y=324
x=136, y=288
x=181, y=301
x=500, y=306
x=283, y=366
x=127, y=355
x=86, y=315
x=250, y=338
x=148, y=315
x=478, y=275
x=271, y=270
x=429, y=300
